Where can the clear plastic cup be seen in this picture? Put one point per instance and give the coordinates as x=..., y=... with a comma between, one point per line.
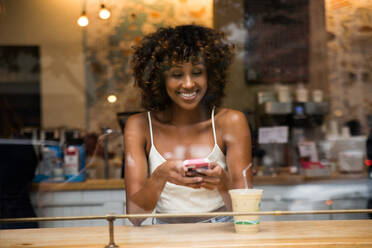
x=246, y=200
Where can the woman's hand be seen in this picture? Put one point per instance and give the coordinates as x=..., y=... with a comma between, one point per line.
x=215, y=177
x=175, y=172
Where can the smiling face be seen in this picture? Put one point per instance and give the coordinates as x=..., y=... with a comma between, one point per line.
x=186, y=84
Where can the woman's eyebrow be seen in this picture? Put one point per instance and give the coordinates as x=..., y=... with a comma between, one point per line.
x=197, y=63
x=176, y=66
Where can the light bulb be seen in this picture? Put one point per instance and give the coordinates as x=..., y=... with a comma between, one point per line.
x=104, y=13
x=112, y=98
x=83, y=20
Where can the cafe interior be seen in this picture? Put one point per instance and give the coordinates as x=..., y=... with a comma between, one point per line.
x=301, y=75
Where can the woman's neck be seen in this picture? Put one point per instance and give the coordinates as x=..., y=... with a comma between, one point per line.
x=179, y=117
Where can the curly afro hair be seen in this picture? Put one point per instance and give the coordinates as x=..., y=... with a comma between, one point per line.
x=157, y=51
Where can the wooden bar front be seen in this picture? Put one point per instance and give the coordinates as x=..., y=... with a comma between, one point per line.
x=333, y=233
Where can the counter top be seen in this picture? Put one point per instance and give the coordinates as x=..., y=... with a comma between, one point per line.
x=300, y=234
x=91, y=184
x=110, y=184
x=290, y=179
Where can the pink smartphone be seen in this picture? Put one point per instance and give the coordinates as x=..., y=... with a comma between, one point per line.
x=193, y=164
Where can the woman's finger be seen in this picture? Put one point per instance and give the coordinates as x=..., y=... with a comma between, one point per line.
x=211, y=180
x=190, y=180
x=194, y=185
x=187, y=181
x=213, y=172
x=213, y=165
x=209, y=186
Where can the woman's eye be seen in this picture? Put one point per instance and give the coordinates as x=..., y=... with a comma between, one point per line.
x=197, y=72
x=176, y=75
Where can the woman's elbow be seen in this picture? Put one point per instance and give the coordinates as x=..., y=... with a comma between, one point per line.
x=134, y=209
x=136, y=221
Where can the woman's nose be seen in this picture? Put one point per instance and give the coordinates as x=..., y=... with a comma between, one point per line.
x=188, y=83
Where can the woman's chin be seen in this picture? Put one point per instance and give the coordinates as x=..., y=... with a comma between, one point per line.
x=188, y=105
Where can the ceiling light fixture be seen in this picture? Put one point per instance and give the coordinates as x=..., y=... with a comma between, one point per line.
x=104, y=13
x=83, y=19
x=112, y=98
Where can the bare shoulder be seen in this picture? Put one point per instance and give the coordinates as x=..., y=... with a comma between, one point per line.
x=137, y=124
x=137, y=118
x=234, y=127
x=231, y=118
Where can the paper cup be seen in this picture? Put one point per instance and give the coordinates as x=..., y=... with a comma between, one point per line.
x=246, y=200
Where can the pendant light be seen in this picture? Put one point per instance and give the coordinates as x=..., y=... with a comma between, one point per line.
x=83, y=19
x=112, y=98
x=104, y=13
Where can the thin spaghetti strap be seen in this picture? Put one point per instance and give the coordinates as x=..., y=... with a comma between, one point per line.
x=213, y=127
x=150, y=126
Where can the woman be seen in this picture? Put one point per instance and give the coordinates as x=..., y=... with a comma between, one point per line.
x=182, y=73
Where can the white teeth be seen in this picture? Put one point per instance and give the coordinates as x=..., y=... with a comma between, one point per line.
x=188, y=95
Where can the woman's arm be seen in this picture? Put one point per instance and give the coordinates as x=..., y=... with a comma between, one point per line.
x=142, y=192
x=237, y=139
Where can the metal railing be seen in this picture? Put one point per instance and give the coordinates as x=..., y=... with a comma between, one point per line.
x=112, y=217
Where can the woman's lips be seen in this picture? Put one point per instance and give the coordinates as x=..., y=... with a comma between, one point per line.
x=188, y=95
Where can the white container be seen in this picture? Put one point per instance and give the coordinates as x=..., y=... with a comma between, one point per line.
x=302, y=94
x=317, y=96
x=72, y=162
x=265, y=96
x=345, y=132
x=284, y=93
x=351, y=161
x=349, y=153
x=58, y=175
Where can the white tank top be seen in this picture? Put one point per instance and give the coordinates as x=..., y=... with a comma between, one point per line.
x=175, y=198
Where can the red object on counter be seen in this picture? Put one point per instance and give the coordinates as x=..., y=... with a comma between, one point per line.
x=368, y=162
x=311, y=165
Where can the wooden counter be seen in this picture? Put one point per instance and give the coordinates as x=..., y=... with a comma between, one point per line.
x=320, y=234
x=91, y=184
x=289, y=179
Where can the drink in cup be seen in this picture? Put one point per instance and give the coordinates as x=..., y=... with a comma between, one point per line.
x=246, y=200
